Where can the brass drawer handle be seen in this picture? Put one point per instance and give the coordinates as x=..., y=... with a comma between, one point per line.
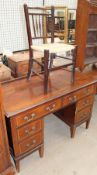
x=33, y=115
x=33, y=129
x=27, y=131
x=86, y=91
x=75, y=98
x=33, y=142
x=50, y=108
x=26, y=118
x=85, y=103
x=72, y=99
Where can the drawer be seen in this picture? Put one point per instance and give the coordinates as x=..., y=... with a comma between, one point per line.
x=29, y=129
x=85, y=92
x=69, y=99
x=38, y=112
x=30, y=143
x=85, y=102
x=73, y=97
x=83, y=114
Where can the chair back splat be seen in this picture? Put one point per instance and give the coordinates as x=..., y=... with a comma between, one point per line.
x=36, y=18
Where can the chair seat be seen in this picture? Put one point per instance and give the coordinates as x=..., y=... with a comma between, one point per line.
x=54, y=47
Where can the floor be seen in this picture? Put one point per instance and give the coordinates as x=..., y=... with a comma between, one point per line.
x=63, y=155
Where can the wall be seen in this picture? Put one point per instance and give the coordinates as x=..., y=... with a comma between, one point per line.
x=12, y=23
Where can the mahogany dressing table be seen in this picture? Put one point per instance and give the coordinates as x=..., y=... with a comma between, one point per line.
x=26, y=105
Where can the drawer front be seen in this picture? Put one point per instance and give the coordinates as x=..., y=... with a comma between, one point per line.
x=38, y=112
x=85, y=102
x=83, y=114
x=69, y=99
x=85, y=92
x=30, y=143
x=73, y=97
x=29, y=129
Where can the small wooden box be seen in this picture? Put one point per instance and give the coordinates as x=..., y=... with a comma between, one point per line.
x=5, y=73
x=18, y=63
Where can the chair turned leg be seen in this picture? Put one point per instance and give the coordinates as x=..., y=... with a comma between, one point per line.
x=87, y=123
x=41, y=151
x=42, y=61
x=72, y=131
x=30, y=64
x=17, y=164
x=46, y=70
x=74, y=64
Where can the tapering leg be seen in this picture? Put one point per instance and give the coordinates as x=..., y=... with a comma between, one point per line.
x=46, y=70
x=51, y=60
x=17, y=164
x=73, y=74
x=42, y=60
x=87, y=123
x=41, y=151
x=72, y=131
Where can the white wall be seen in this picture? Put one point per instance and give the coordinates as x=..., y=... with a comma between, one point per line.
x=12, y=23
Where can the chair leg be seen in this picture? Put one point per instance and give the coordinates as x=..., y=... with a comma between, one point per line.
x=74, y=64
x=73, y=75
x=51, y=60
x=46, y=70
x=42, y=60
x=30, y=64
x=30, y=68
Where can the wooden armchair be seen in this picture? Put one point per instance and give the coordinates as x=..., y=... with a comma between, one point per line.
x=36, y=23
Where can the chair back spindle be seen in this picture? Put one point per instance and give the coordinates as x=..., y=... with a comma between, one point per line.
x=36, y=22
